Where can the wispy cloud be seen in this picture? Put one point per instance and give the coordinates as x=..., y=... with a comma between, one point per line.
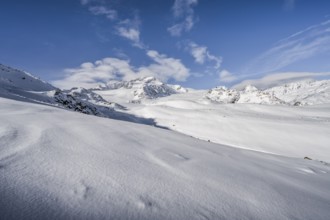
x=130, y=29
x=226, y=77
x=90, y=75
x=183, y=13
x=302, y=45
x=279, y=79
x=202, y=54
x=126, y=28
x=289, y=5
x=102, y=10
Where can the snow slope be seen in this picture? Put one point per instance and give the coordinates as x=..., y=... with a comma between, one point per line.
x=17, y=79
x=19, y=85
x=57, y=164
x=278, y=129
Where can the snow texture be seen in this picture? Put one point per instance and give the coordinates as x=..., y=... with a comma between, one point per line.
x=279, y=129
x=57, y=164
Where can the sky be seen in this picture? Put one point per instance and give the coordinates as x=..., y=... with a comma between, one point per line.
x=196, y=43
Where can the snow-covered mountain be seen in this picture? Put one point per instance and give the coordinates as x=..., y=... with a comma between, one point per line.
x=87, y=95
x=20, y=85
x=307, y=92
x=223, y=95
x=250, y=94
x=13, y=79
x=17, y=84
x=139, y=89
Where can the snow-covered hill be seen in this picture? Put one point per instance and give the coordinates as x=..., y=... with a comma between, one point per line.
x=250, y=94
x=307, y=92
x=137, y=90
x=57, y=164
x=19, y=85
x=13, y=79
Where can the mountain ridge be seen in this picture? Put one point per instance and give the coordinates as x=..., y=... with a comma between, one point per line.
x=20, y=84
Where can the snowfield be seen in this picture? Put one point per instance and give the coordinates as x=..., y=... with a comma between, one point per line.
x=159, y=151
x=278, y=129
x=57, y=164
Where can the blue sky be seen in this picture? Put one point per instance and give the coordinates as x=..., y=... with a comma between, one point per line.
x=196, y=43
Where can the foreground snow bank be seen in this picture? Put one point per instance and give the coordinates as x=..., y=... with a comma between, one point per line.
x=56, y=164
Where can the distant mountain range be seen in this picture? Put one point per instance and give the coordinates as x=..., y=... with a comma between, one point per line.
x=17, y=84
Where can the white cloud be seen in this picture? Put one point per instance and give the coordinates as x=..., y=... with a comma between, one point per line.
x=130, y=29
x=129, y=33
x=202, y=54
x=198, y=52
x=183, y=10
x=90, y=75
x=279, y=79
x=226, y=77
x=165, y=67
x=126, y=28
x=182, y=7
x=305, y=44
x=102, y=10
x=185, y=26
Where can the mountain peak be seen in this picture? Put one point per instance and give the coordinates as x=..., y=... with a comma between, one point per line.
x=143, y=88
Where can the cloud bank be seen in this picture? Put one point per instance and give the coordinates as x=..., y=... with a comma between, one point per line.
x=89, y=75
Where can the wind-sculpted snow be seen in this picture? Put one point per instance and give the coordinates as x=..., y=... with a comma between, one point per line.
x=63, y=165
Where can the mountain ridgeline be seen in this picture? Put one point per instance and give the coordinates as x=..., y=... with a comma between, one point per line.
x=20, y=85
